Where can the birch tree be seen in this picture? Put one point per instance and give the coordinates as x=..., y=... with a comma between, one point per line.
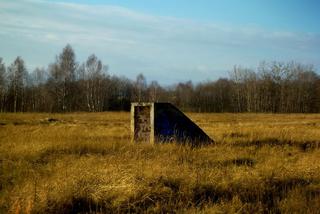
x=62, y=79
x=17, y=81
x=94, y=83
x=2, y=85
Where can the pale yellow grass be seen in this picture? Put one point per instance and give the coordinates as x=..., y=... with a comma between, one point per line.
x=84, y=162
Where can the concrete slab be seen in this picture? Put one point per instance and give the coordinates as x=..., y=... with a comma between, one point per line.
x=163, y=122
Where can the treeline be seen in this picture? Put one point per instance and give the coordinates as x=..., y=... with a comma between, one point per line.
x=67, y=86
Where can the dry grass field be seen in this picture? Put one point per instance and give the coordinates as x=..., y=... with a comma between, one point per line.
x=85, y=163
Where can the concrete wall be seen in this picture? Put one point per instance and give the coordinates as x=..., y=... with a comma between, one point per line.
x=142, y=122
x=163, y=122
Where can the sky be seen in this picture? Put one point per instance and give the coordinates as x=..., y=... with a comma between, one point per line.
x=166, y=40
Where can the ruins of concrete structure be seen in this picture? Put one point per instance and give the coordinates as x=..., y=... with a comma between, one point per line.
x=163, y=122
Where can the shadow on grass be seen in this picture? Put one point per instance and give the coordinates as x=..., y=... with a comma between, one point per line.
x=277, y=189
x=303, y=145
x=45, y=121
x=236, y=135
x=170, y=195
x=267, y=195
x=79, y=205
x=207, y=193
x=239, y=162
x=79, y=150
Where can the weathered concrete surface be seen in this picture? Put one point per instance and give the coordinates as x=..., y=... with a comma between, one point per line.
x=167, y=124
x=142, y=122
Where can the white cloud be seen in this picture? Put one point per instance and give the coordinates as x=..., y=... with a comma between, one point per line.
x=131, y=42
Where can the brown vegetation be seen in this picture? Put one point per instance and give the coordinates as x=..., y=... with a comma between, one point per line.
x=82, y=163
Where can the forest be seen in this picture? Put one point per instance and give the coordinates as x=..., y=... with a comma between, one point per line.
x=67, y=86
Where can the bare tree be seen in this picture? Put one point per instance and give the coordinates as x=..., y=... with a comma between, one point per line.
x=272, y=87
x=62, y=77
x=38, y=90
x=95, y=74
x=2, y=84
x=238, y=76
x=183, y=95
x=154, y=91
x=140, y=86
x=67, y=66
x=222, y=101
x=17, y=78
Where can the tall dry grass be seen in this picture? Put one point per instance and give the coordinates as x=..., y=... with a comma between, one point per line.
x=84, y=163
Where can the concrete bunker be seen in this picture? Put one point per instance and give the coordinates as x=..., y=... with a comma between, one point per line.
x=163, y=122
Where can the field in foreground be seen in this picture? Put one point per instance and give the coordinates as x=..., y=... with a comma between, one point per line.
x=82, y=163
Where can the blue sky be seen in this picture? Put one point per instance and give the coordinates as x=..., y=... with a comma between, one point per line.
x=167, y=40
x=296, y=15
